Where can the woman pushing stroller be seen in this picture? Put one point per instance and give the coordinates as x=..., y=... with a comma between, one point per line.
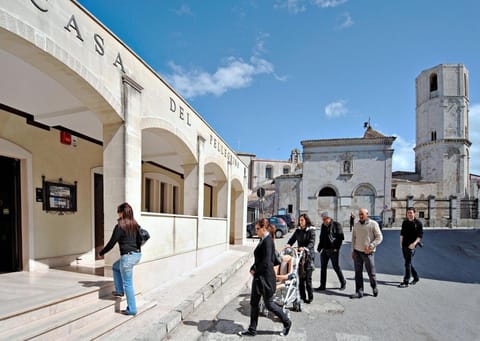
x=304, y=235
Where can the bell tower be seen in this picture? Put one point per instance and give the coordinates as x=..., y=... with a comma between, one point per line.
x=442, y=142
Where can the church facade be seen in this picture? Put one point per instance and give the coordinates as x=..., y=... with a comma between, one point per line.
x=342, y=175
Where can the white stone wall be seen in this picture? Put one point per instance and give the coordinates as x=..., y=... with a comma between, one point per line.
x=322, y=167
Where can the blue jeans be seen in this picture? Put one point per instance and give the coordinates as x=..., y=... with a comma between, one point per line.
x=123, y=278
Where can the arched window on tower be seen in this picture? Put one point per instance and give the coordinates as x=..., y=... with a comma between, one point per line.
x=433, y=82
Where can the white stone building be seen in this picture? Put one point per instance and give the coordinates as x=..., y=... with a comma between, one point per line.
x=86, y=124
x=341, y=175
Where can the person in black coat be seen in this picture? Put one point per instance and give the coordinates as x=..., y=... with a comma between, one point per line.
x=331, y=239
x=304, y=235
x=264, y=283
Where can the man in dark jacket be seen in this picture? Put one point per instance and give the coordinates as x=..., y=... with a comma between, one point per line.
x=410, y=236
x=331, y=238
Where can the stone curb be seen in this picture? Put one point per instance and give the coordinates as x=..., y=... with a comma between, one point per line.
x=172, y=319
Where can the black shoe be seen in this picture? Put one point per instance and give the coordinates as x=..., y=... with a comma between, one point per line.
x=403, y=285
x=247, y=333
x=308, y=301
x=126, y=312
x=415, y=281
x=117, y=294
x=320, y=288
x=375, y=292
x=343, y=286
x=286, y=328
x=358, y=294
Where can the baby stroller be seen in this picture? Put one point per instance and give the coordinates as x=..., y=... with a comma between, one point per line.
x=288, y=278
x=287, y=293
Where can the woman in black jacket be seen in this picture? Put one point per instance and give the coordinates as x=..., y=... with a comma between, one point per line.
x=129, y=242
x=304, y=235
x=263, y=283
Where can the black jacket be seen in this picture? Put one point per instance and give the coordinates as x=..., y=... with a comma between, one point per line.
x=126, y=242
x=305, y=238
x=264, y=254
x=331, y=236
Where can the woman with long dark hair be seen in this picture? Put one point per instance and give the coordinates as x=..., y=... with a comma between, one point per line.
x=304, y=235
x=127, y=235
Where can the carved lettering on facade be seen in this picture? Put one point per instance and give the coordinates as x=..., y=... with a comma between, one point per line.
x=72, y=25
x=182, y=113
x=223, y=150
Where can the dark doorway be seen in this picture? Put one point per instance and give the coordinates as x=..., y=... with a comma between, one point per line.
x=10, y=216
x=98, y=207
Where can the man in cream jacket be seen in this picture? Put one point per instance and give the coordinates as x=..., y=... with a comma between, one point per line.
x=366, y=236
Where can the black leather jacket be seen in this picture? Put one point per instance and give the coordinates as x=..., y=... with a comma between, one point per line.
x=331, y=236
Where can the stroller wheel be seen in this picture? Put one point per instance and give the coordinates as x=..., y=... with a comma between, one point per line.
x=297, y=306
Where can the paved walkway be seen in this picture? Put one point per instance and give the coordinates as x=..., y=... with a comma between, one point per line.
x=178, y=298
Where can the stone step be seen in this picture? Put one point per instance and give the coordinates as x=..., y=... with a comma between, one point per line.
x=59, y=304
x=87, y=315
x=109, y=321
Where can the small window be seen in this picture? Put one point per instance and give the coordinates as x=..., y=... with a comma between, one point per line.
x=290, y=208
x=394, y=192
x=434, y=135
x=433, y=82
x=421, y=214
x=268, y=172
x=286, y=170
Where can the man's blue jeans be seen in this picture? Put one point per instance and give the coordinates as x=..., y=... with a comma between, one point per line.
x=123, y=278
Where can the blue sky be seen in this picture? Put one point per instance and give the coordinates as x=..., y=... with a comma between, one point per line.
x=268, y=74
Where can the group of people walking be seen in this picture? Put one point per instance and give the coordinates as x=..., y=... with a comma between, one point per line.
x=366, y=236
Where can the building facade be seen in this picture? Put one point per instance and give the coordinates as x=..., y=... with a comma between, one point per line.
x=85, y=125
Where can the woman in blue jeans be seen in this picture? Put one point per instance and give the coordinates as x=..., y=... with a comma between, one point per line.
x=129, y=241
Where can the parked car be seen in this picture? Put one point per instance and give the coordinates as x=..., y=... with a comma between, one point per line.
x=288, y=219
x=378, y=219
x=280, y=225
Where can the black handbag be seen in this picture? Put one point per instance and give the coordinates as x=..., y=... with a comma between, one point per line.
x=144, y=235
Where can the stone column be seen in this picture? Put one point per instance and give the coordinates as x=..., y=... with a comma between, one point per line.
x=453, y=210
x=122, y=150
x=222, y=189
x=431, y=211
x=190, y=191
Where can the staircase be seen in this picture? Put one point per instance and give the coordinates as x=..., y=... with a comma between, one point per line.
x=83, y=316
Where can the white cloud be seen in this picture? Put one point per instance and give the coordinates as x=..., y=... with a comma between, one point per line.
x=292, y=6
x=403, y=156
x=235, y=74
x=346, y=21
x=328, y=3
x=474, y=135
x=184, y=10
x=336, y=109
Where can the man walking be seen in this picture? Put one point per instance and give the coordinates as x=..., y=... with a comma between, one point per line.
x=411, y=235
x=331, y=238
x=366, y=236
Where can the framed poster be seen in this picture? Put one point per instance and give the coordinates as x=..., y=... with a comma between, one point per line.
x=60, y=196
